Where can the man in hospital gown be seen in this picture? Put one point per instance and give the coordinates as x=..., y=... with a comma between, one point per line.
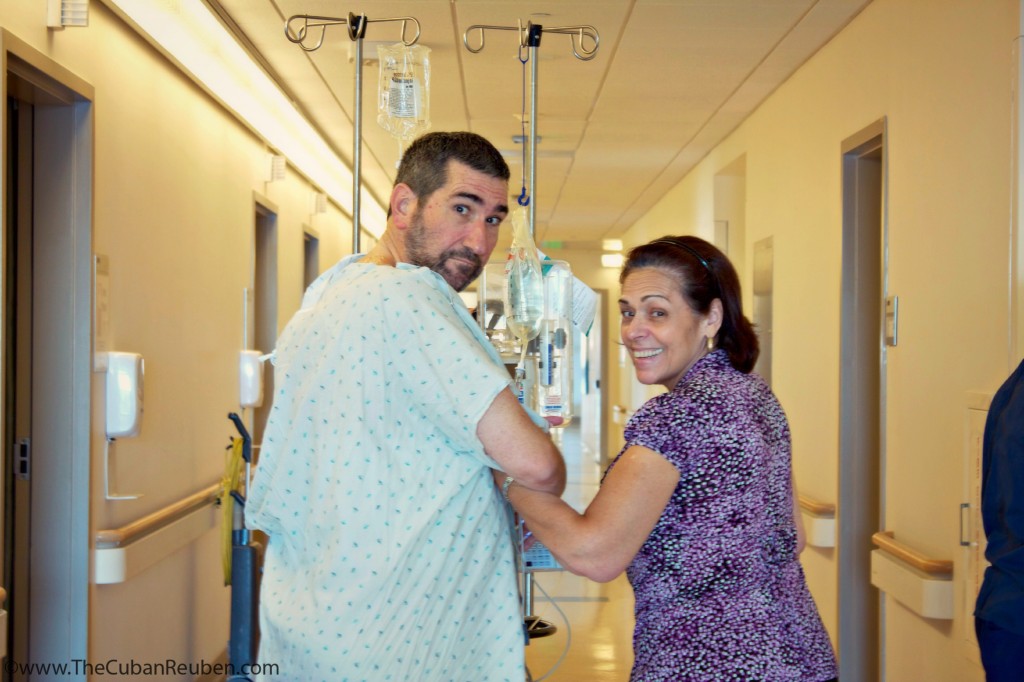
x=390, y=555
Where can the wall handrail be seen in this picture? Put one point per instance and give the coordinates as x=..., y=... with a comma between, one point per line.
x=147, y=525
x=887, y=542
x=817, y=507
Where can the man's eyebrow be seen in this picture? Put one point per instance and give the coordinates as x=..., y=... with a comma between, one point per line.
x=477, y=199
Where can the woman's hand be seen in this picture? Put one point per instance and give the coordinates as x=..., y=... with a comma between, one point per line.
x=600, y=543
x=499, y=480
x=528, y=539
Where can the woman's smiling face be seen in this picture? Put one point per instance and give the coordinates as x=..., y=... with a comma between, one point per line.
x=659, y=328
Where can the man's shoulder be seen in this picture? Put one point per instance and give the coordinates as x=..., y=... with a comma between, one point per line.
x=403, y=292
x=369, y=279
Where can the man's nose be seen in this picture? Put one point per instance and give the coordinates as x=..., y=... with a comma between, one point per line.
x=478, y=238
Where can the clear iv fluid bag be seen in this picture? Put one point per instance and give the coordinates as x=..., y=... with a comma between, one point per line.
x=403, y=90
x=524, y=294
x=555, y=344
x=525, y=299
x=544, y=382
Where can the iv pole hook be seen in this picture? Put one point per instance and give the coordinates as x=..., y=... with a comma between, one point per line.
x=356, y=26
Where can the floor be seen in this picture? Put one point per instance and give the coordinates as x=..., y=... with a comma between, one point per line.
x=596, y=645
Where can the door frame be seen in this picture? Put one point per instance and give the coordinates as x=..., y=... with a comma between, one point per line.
x=62, y=348
x=861, y=499
x=261, y=328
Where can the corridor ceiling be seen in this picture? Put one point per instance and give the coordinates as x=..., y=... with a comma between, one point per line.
x=670, y=80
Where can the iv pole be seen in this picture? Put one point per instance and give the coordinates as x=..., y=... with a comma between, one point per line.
x=530, y=39
x=297, y=30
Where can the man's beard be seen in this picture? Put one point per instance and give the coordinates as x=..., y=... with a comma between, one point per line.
x=458, y=266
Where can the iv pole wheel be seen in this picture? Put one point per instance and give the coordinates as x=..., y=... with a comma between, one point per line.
x=537, y=627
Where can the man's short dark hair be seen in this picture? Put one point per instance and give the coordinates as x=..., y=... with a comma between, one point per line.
x=424, y=166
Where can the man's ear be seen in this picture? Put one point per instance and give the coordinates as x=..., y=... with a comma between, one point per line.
x=403, y=205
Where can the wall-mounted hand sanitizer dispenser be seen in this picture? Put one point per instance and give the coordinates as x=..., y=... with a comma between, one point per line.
x=250, y=379
x=124, y=394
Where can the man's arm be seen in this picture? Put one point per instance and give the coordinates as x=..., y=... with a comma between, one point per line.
x=520, y=447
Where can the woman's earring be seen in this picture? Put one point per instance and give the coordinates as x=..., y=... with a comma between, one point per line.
x=710, y=343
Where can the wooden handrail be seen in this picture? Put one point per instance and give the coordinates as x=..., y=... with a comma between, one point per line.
x=813, y=506
x=886, y=541
x=147, y=525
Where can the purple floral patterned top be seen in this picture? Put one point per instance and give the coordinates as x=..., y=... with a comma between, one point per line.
x=720, y=593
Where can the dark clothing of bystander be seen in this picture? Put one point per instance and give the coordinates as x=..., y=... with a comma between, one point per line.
x=1000, y=607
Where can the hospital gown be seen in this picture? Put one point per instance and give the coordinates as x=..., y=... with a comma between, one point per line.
x=389, y=555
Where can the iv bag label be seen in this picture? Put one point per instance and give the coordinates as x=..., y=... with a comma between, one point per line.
x=402, y=96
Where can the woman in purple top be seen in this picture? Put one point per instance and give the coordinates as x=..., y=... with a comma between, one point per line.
x=698, y=508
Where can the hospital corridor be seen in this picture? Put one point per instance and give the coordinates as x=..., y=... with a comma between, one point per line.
x=279, y=277
x=593, y=622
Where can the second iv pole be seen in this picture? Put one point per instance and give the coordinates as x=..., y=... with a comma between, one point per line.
x=529, y=37
x=307, y=31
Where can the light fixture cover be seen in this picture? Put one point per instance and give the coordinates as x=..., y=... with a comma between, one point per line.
x=277, y=167
x=319, y=203
x=61, y=13
x=611, y=244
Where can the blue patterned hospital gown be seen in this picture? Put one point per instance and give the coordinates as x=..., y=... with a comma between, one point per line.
x=720, y=594
x=389, y=556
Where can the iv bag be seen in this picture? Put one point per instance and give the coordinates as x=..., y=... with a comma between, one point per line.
x=403, y=90
x=555, y=344
x=524, y=293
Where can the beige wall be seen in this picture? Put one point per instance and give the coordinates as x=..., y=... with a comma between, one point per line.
x=176, y=178
x=941, y=74
x=175, y=182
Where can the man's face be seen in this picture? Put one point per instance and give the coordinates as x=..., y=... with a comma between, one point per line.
x=454, y=230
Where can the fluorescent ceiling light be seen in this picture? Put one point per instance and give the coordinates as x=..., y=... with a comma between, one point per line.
x=188, y=34
x=611, y=244
x=612, y=260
